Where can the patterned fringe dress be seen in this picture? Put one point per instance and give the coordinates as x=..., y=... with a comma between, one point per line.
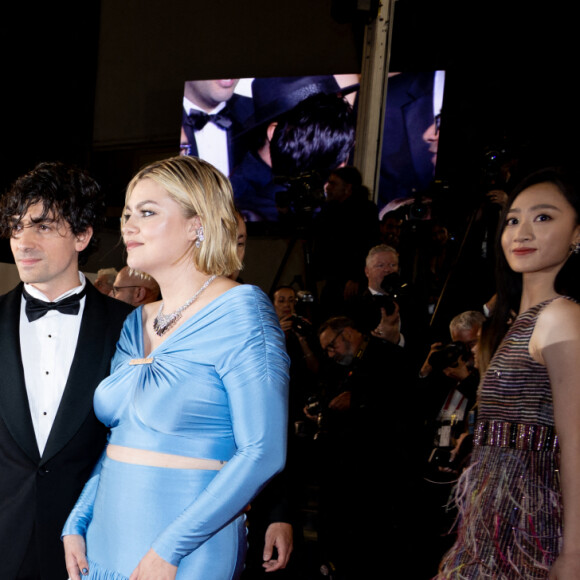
x=509, y=498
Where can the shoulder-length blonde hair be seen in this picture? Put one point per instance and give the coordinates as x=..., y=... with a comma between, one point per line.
x=201, y=190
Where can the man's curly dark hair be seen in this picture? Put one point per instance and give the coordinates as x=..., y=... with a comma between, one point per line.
x=66, y=193
x=317, y=135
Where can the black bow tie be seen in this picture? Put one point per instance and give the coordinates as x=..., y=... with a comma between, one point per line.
x=198, y=120
x=36, y=308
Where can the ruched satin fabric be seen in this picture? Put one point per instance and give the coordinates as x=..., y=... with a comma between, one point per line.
x=216, y=388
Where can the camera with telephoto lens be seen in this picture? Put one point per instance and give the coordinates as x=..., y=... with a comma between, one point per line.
x=370, y=310
x=449, y=355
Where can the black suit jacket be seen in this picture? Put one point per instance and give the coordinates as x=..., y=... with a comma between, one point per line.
x=37, y=493
x=406, y=163
x=239, y=108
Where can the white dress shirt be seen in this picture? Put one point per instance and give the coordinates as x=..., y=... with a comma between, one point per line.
x=47, y=347
x=211, y=141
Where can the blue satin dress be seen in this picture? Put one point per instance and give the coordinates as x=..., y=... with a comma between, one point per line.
x=216, y=388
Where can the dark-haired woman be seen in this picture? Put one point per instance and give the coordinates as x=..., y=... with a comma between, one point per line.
x=197, y=398
x=520, y=498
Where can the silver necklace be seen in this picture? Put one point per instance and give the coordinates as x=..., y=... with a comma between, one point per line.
x=163, y=322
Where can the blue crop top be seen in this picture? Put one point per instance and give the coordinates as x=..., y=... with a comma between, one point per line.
x=216, y=388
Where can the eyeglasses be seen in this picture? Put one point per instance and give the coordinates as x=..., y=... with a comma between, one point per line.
x=331, y=345
x=117, y=289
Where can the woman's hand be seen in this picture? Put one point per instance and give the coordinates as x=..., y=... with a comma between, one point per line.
x=75, y=556
x=154, y=567
x=286, y=323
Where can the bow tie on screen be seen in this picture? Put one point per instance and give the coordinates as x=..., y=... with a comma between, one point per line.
x=198, y=120
x=36, y=308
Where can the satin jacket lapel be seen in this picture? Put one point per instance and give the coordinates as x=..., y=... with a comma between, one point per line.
x=14, y=408
x=77, y=400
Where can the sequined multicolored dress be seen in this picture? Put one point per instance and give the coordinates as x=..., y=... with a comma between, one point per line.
x=509, y=498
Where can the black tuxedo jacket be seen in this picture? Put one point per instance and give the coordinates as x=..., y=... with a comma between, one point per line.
x=239, y=108
x=37, y=493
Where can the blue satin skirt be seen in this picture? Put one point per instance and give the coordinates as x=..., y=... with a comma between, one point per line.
x=135, y=503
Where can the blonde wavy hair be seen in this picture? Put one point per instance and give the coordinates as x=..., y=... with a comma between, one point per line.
x=200, y=190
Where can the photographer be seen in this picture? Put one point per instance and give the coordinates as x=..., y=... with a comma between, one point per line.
x=447, y=430
x=465, y=327
x=302, y=350
x=387, y=308
x=296, y=328
x=367, y=416
x=345, y=229
x=448, y=390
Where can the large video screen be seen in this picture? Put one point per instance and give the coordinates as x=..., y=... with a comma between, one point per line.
x=278, y=138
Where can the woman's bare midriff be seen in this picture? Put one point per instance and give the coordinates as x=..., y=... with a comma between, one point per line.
x=156, y=459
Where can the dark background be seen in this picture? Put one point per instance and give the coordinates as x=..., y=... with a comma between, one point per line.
x=99, y=83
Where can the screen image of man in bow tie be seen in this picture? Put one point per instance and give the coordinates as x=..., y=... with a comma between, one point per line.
x=213, y=116
x=58, y=335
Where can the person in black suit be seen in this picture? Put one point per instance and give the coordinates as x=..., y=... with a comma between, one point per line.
x=58, y=335
x=407, y=153
x=213, y=118
x=273, y=97
x=366, y=416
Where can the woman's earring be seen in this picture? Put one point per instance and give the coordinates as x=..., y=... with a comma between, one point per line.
x=200, y=237
x=576, y=247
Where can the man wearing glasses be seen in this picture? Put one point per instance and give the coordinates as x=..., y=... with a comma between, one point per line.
x=368, y=420
x=134, y=288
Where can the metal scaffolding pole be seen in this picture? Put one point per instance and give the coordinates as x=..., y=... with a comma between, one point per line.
x=373, y=95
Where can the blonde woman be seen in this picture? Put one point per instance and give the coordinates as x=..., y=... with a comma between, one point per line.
x=197, y=398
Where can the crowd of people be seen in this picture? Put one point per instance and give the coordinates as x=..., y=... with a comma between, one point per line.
x=481, y=474
x=143, y=430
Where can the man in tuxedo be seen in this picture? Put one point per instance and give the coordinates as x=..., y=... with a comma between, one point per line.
x=213, y=117
x=58, y=334
x=273, y=97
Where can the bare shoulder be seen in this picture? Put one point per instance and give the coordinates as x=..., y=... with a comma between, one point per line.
x=558, y=322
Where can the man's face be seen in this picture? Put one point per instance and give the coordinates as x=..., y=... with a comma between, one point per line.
x=125, y=288
x=381, y=265
x=336, y=188
x=439, y=235
x=391, y=230
x=209, y=94
x=468, y=336
x=338, y=345
x=242, y=238
x=431, y=137
x=46, y=252
x=241, y=244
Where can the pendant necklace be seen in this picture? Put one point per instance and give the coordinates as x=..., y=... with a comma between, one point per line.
x=163, y=322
